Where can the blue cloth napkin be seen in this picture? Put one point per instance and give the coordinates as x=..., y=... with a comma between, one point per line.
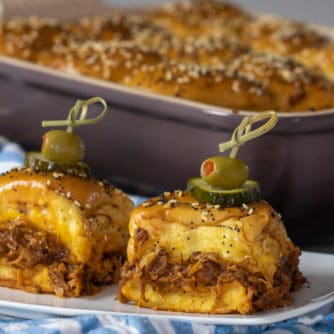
x=320, y=321
x=11, y=155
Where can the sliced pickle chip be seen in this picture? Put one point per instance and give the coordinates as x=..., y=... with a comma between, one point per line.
x=37, y=162
x=204, y=192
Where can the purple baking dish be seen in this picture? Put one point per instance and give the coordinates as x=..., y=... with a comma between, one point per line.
x=149, y=142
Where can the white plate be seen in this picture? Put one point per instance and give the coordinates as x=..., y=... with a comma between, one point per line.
x=317, y=267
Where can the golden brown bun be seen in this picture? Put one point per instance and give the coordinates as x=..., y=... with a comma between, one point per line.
x=204, y=52
x=209, y=36
x=291, y=85
x=194, y=257
x=319, y=59
x=212, y=86
x=28, y=38
x=59, y=233
x=109, y=61
x=281, y=36
x=200, y=18
x=293, y=40
x=102, y=28
x=250, y=82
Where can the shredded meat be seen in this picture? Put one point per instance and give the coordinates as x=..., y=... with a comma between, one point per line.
x=24, y=247
x=78, y=279
x=140, y=237
x=209, y=269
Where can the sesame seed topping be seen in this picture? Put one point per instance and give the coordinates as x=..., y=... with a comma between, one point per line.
x=250, y=211
x=236, y=86
x=179, y=193
x=169, y=76
x=211, y=55
x=244, y=206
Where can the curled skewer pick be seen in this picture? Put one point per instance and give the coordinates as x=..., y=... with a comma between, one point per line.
x=244, y=132
x=78, y=113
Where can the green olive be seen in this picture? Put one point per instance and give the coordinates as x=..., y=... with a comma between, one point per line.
x=59, y=145
x=223, y=171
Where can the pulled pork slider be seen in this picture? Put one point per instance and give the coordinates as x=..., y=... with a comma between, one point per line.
x=59, y=233
x=190, y=256
x=62, y=231
x=215, y=248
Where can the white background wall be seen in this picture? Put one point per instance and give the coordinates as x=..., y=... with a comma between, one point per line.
x=318, y=11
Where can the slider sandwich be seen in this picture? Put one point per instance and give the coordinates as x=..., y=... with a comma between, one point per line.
x=62, y=231
x=214, y=248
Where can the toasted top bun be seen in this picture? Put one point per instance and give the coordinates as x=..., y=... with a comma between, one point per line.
x=27, y=38
x=201, y=17
x=110, y=61
x=291, y=39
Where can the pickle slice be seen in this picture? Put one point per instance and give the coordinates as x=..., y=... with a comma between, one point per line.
x=38, y=162
x=204, y=192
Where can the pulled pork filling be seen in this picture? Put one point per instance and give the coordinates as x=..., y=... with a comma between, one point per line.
x=78, y=279
x=210, y=270
x=24, y=247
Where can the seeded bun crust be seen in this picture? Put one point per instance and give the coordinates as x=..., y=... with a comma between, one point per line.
x=291, y=39
x=28, y=38
x=110, y=61
x=188, y=256
x=201, y=17
x=290, y=85
x=205, y=51
x=251, y=81
x=212, y=86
